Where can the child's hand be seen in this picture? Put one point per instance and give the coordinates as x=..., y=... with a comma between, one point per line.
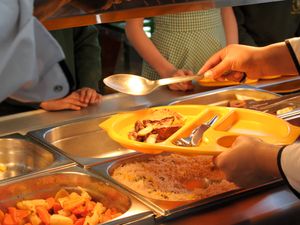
x=89, y=96
x=72, y=101
x=75, y=101
x=183, y=86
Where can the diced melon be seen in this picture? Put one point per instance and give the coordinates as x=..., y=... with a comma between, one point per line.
x=3, y=167
x=31, y=204
x=56, y=219
x=34, y=219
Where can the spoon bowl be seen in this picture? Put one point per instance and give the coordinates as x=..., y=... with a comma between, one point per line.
x=130, y=84
x=138, y=85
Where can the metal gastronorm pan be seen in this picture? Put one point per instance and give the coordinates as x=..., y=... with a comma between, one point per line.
x=47, y=184
x=172, y=209
x=20, y=156
x=83, y=141
x=221, y=97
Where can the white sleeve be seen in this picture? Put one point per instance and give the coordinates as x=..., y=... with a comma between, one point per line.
x=293, y=45
x=289, y=164
x=28, y=55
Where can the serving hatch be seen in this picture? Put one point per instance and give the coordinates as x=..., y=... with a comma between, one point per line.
x=231, y=123
x=86, y=144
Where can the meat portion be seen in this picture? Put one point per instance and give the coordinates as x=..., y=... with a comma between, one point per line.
x=237, y=104
x=158, y=127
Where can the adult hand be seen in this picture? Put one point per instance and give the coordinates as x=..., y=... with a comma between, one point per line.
x=89, y=96
x=249, y=162
x=183, y=86
x=231, y=62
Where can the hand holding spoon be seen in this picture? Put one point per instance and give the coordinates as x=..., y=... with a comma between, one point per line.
x=138, y=85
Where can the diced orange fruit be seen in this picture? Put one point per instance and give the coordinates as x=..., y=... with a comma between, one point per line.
x=1, y=216
x=50, y=201
x=72, y=203
x=43, y=214
x=61, y=194
x=60, y=220
x=79, y=221
x=8, y=220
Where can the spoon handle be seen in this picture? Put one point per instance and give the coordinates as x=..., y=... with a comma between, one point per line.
x=173, y=80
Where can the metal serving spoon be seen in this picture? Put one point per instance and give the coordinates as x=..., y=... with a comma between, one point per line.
x=138, y=85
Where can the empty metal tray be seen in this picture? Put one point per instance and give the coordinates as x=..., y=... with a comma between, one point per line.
x=82, y=141
x=21, y=156
x=221, y=97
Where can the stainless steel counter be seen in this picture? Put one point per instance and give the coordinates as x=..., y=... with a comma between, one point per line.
x=33, y=120
x=273, y=206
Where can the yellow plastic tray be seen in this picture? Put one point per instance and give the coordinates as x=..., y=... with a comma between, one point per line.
x=213, y=83
x=270, y=77
x=231, y=123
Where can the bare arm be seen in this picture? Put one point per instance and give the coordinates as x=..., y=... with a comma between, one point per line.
x=147, y=50
x=44, y=9
x=230, y=25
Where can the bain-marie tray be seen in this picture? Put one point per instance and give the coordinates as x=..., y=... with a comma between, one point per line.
x=232, y=122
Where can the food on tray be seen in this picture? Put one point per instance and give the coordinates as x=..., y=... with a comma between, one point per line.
x=247, y=97
x=214, y=83
x=157, y=127
x=3, y=168
x=173, y=177
x=270, y=77
x=237, y=103
x=285, y=110
x=242, y=104
x=63, y=209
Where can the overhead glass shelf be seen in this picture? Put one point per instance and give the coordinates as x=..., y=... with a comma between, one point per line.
x=58, y=14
